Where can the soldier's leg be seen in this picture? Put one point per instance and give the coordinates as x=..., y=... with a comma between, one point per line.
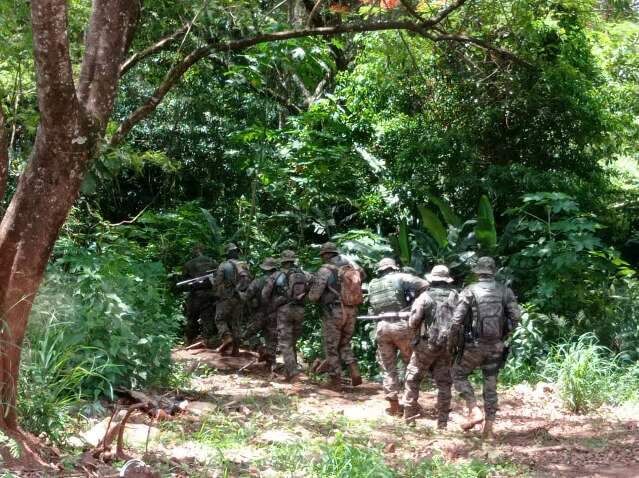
x=469, y=362
x=387, y=359
x=443, y=380
x=296, y=313
x=285, y=338
x=490, y=370
x=209, y=330
x=191, y=326
x=234, y=320
x=349, y=319
x=222, y=311
x=415, y=372
x=332, y=321
x=270, y=336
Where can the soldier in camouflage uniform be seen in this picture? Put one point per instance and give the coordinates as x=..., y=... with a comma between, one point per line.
x=389, y=292
x=290, y=309
x=430, y=346
x=338, y=319
x=486, y=314
x=229, y=280
x=264, y=315
x=199, y=307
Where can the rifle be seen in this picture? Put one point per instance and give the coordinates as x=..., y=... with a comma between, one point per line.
x=197, y=283
x=385, y=316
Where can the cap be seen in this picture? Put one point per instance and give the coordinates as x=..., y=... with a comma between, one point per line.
x=268, y=264
x=485, y=265
x=288, y=256
x=387, y=263
x=328, y=247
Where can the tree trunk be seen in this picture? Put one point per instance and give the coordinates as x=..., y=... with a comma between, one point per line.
x=71, y=124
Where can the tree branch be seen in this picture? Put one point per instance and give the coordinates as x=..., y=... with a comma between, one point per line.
x=158, y=46
x=110, y=33
x=54, y=76
x=4, y=155
x=176, y=72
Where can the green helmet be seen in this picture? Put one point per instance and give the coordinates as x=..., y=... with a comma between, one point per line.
x=268, y=264
x=230, y=247
x=387, y=263
x=328, y=248
x=485, y=265
x=287, y=256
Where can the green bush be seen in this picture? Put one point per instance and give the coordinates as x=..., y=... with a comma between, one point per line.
x=341, y=458
x=584, y=371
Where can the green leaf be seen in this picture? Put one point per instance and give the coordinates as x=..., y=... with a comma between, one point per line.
x=433, y=226
x=485, y=231
x=447, y=212
x=404, y=244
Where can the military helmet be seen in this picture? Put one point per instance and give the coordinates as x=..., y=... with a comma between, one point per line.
x=268, y=264
x=485, y=265
x=439, y=273
x=287, y=256
x=230, y=247
x=387, y=263
x=328, y=248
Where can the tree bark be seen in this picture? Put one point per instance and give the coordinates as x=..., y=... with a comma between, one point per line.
x=71, y=122
x=4, y=154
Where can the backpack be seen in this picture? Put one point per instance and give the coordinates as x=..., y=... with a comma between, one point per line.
x=439, y=329
x=297, y=286
x=386, y=295
x=491, y=324
x=350, y=281
x=236, y=277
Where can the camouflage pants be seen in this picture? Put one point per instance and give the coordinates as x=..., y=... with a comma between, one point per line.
x=266, y=323
x=199, y=310
x=228, y=316
x=338, y=325
x=289, y=328
x=392, y=337
x=486, y=356
x=427, y=358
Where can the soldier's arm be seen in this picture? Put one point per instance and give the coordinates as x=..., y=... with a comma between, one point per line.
x=250, y=291
x=218, y=278
x=512, y=308
x=421, y=308
x=319, y=285
x=414, y=283
x=463, y=306
x=267, y=290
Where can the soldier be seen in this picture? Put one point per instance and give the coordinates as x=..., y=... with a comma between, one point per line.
x=430, y=320
x=286, y=289
x=264, y=314
x=487, y=312
x=199, y=307
x=337, y=288
x=231, y=278
x=390, y=293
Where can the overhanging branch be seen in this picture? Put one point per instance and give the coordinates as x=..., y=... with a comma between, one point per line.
x=422, y=28
x=158, y=46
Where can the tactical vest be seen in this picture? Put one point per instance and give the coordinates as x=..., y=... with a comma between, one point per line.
x=440, y=294
x=291, y=284
x=385, y=294
x=489, y=315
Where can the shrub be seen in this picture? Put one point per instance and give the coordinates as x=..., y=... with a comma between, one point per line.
x=584, y=371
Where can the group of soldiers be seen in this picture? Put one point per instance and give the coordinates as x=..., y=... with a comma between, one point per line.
x=426, y=322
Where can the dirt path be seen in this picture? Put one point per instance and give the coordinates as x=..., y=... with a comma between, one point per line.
x=532, y=431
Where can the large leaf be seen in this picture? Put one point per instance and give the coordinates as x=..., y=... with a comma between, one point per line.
x=447, y=212
x=433, y=226
x=404, y=244
x=485, y=231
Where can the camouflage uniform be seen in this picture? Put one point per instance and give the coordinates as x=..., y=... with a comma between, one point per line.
x=429, y=353
x=493, y=307
x=229, y=308
x=394, y=335
x=338, y=320
x=290, y=313
x=199, y=307
x=264, y=315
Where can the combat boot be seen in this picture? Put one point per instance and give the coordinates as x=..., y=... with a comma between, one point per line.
x=395, y=409
x=475, y=417
x=335, y=383
x=411, y=414
x=235, y=350
x=442, y=423
x=487, y=432
x=356, y=378
x=226, y=343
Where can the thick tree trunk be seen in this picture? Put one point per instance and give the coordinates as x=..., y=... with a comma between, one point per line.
x=71, y=124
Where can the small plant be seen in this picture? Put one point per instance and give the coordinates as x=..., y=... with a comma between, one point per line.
x=584, y=372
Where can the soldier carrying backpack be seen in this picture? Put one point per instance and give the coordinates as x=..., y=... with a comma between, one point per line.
x=286, y=289
x=230, y=280
x=430, y=319
x=486, y=314
x=337, y=287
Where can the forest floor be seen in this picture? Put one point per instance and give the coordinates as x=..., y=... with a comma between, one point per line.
x=250, y=424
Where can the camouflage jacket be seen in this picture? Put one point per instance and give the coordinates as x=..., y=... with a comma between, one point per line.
x=324, y=287
x=408, y=284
